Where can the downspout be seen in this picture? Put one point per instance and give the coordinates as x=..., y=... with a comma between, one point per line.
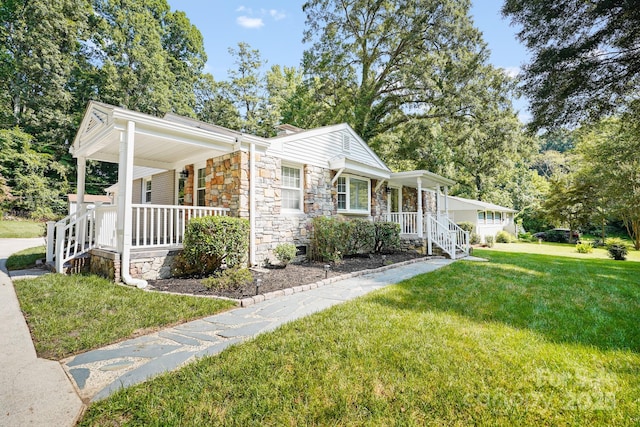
x=252, y=204
x=125, y=175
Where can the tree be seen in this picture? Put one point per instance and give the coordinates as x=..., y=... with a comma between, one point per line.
x=609, y=152
x=383, y=63
x=35, y=182
x=39, y=49
x=214, y=104
x=586, y=57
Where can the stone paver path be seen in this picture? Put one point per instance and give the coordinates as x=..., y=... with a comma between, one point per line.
x=100, y=372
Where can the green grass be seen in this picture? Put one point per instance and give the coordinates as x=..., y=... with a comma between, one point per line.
x=520, y=340
x=558, y=249
x=71, y=314
x=21, y=229
x=26, y=258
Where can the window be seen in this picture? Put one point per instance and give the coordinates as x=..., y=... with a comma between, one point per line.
x=489, y=217
x=201, y=184
x=291, y=188
x=498, y=217
x=353, y=194
x=146, y=197
x=481, y=217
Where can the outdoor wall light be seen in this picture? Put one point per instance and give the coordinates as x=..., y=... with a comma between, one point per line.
x=184, y=174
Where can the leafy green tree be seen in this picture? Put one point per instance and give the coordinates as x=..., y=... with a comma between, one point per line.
x=39, y=45
x=609, y=152
x=383, y=63
x=35, y=182
x=214, y=104
x=585, y=57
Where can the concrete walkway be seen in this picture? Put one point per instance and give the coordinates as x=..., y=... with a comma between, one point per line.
x=100, y=372
x=33, y=391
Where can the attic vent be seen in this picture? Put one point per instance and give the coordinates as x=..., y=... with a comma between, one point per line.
x=346, y=143
x=98, y=118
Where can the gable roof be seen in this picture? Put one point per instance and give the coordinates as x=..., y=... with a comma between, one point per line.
x=334, y=147
x=462, y=204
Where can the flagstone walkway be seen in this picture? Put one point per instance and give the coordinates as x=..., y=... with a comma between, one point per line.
x=100, y=372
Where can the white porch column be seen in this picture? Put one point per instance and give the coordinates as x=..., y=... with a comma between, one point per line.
x=125, y=188
x=420, y=213
x=437, y=194
x=446, y=200
x=252, y=205
x=80, y=185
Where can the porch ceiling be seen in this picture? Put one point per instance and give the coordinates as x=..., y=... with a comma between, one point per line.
x=158, y=143
x=410, y=179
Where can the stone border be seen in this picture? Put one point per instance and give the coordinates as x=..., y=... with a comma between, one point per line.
x=247, y=301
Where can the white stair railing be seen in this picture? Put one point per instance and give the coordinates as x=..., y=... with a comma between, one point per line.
x=72, y=236
x=440, y=234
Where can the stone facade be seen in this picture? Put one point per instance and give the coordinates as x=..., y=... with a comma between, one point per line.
x=149, y=265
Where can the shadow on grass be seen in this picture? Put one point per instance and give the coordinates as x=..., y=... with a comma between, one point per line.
x=588, y=302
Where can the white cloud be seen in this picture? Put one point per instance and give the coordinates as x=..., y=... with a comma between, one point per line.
x=511, y=71
x=244, y=9
x=277, y=14
x=246, y=22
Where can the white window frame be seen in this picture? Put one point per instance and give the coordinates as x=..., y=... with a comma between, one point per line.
x=498, y=220
x=482, y=220
x=196, y=169
x=147, y=190
x=299, y=189
x=347, y=180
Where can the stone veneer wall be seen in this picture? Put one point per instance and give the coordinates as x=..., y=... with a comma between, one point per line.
x=149, y=265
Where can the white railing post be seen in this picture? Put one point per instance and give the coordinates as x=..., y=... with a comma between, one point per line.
x=429, y=236
x=452, y=235
x=51, y=227
x=59, y=246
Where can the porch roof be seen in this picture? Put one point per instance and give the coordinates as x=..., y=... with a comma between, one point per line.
x=161, y=143
x=410, y=179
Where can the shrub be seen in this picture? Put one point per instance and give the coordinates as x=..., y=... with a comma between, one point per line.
x=584, y=248
x=527, y=237
x=327, y=243
x=597, y=243
x=360, y=236
x=466, y=226
x=489, y=241
x=504, y=237
x=212, y=241
x=617, y=248
x=285, y=252
x=228, y=278
x=387, y=237
x=475, y=239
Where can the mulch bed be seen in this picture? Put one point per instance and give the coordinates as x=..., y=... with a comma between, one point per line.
x=273, y=279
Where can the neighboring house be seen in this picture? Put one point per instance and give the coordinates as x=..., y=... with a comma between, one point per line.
x=488, y=219
x=89, y=202
x=174, y=168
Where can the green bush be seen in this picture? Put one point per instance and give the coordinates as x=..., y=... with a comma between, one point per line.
x=228, y=278
x=617, y=248
x=584, y=248
x=466, y=226
x=285, y=252
x=360, y=236
x=210, y=242
x=475, y=239
x=527, y=237
x=504, y=237
x=489, y=241
x=327, y=243
x=387, y=237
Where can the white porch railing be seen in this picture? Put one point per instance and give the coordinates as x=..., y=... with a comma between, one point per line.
x=153, y=226
x=164, y=225
x=408, y=221
x=438, y=229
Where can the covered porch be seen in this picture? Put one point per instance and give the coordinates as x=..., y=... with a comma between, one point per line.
x=419, y=202
x=170, y=146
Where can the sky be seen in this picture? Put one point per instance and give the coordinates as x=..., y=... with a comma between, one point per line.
x=274, y=27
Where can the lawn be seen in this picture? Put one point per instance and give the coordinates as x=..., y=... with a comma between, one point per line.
x=21, y=229
x=559, y=249
x=72, y=314
x=26, y=258
x=524, y=339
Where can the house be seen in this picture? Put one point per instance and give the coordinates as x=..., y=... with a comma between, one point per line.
x=487, y=219
x=174, y=168
x=89, y=201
